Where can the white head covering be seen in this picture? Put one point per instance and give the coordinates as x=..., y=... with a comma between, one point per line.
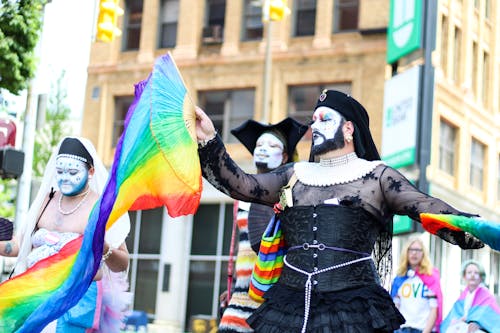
x=115, y=236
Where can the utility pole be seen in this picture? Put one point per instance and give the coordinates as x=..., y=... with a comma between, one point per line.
x=30, y=116
x=427, y=91
x=267, y=62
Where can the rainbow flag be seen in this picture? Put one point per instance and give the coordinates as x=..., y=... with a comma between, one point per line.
x=487, y=231
x=155, y=164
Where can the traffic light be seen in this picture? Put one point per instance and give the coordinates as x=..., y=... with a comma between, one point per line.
x=278, y=9
x=107, y=20
x=11, y=159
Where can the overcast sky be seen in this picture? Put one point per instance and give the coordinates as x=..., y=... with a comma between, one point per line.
x=64, y=45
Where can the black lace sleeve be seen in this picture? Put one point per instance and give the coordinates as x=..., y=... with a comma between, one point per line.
x=403, y=198
x=224, y=174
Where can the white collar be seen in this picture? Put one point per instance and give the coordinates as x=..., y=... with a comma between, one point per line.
x=338, y=170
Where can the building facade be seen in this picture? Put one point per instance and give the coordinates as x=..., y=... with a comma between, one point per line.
x=179, y=266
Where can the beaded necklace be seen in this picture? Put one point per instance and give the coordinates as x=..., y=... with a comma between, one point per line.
x=69, y=212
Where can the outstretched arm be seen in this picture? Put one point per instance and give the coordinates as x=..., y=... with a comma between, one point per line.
x=404, y=198
x=225, y=175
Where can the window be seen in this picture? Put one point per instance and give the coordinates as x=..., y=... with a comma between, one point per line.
x=133, y=19
x=169, y=14
x=444, y=44
x=122, y=103
x=210, y=242
x=304, y=17
x=487, y=9
x=474, y=68
x=345, y=15
x=457, y=55
x=228, y=109
x=478, y=152
x=447, y=147
x=302, y=100
x=498, y=180
x=495, y=272
x=252, y=21
x=486, y=79
x=144, y=244
x=213, y=30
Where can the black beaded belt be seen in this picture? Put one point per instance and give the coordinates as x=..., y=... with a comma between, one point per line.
x=306, y=246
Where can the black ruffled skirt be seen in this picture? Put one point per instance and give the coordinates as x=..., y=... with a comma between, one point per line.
x=367, y=309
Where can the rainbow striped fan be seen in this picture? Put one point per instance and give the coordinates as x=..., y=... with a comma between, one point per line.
x=156, y=164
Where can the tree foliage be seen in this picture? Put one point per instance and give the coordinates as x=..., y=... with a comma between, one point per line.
x=56, y=126
x=7, y=198
x=20, y=25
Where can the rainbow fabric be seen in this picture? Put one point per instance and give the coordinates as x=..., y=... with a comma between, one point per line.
x=269, y=264
x=486, y=231
x=484, y=311
x=155, y=164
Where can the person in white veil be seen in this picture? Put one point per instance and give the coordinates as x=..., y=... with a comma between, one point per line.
x=59, y=216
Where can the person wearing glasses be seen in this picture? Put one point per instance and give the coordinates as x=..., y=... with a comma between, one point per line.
x=416, y=290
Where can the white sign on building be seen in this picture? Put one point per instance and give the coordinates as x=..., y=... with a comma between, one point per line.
x=401, y=103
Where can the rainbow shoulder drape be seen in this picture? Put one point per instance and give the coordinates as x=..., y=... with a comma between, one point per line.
x=484, y=311
x=155, y=164
x=432, y=282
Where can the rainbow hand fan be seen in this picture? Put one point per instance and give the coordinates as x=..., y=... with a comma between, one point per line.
x=155, y=164
x=486, y=231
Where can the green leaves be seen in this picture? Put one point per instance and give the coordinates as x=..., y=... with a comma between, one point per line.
x=20, y=25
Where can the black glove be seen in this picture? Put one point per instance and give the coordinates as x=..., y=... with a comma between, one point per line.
x=463, y=239
x=6, y=229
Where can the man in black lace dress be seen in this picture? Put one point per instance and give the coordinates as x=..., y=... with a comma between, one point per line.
x=337, y=222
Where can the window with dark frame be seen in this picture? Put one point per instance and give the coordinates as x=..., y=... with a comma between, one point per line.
x=302, y=100
x=144, y=245
x=213, y=29
x=478, y=153
x=228, y=109
x=169, y=15
x=132, y=25
x=253, y=27
x=122, y=103
x=210, y=244
x=447, y=147
x=345, y=15
x=304, y=17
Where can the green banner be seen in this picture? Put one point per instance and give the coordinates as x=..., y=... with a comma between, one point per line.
x=404, y=33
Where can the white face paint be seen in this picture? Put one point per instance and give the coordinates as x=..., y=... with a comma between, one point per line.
x=326, y=122
x=71, y=175
x=268, y=150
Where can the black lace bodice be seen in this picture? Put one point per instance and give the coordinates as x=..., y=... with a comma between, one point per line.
x=381, y=192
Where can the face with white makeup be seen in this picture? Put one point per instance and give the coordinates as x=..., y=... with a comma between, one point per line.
x=269, y=152
x=71, y=175
x=327, y=132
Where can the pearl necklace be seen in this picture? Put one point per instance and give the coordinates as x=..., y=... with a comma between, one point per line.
x=74, y=208
x=338, y=161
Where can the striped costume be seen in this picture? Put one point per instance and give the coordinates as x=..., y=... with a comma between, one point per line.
x=241, y=306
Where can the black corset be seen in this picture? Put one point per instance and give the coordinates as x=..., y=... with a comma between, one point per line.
x=334, y=226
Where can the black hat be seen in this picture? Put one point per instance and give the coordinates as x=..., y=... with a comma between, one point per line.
x=288, y=129
x=72, y=147
x=352, y=111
